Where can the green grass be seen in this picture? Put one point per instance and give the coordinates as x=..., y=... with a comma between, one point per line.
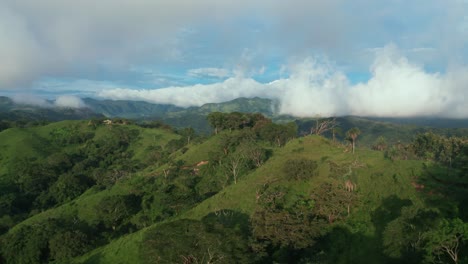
x=199, y=152
x=123, y=250
x=376, y=179
x=150, y=137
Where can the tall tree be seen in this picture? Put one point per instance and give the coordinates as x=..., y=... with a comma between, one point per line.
x=216, y=120
x=114, y=210
x=235, y=163
x=336, y=131
x=352, y=135
x=284, y=223
x=446, y=239
x=324, y=125
x=188, y=133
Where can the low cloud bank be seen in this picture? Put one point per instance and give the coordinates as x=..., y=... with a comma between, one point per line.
x=396, y=88
x=69, y=101
x=64, y=101
x=28, y=99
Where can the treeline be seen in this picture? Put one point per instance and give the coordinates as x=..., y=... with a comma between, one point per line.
x=22, y=123
x=446, y=151
x=256, y=123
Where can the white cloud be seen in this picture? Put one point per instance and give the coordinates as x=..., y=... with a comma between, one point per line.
x=192, y=95
x=29, y=99
x=74, y=39
x=397, y=88
x=19, y=50
x=69, y=101
x=209, y=72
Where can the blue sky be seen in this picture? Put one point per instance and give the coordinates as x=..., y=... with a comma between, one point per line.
x=191, y=52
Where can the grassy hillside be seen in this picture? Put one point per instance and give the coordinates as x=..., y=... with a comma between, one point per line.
x=379, y=182
x=85, y=192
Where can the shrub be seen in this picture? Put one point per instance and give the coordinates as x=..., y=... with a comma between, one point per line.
x=300, y=169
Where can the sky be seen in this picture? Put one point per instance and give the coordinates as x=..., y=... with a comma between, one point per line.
x=390, y=58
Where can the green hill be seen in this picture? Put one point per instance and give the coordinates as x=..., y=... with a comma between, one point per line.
x=87, y=192
x=379, y=181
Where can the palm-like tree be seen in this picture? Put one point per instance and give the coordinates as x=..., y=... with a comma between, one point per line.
x=352, y=134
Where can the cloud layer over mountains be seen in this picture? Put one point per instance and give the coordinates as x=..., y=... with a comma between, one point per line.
x=397, y=88
x=211, y=51
x=64, y=101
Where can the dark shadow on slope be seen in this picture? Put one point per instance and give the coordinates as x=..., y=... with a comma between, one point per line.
x=447, y=189
x=340, y=246
x=219, y=237
x=389, y=210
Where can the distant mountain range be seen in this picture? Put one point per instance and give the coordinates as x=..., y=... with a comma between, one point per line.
x=12, y=111
x=196, y=116
x=140, y=109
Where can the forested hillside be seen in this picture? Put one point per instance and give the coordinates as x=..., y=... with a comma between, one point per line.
x=392, y=129
x=252, y=192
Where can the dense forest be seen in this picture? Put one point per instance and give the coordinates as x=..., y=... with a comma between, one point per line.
x=253, y=191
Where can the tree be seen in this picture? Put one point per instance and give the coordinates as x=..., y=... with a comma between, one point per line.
x=188, y=133
x=425, y=145
x=25, y=245
x=332, y=201
x=285, y=223
x=216, y=120
x=115, y=210
x=68, y=187
x=352, y=135
x=336, y=131
x=68, y=244
x=324, y=125
x=380, y=144
x=45, y=241
x=235, y=164
x=446, y=239
x=278, y=134
x=211, y=240
x=254, y=152
x=236, y=121
x=229, y=142
x=174, y=144
x=300, y=169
